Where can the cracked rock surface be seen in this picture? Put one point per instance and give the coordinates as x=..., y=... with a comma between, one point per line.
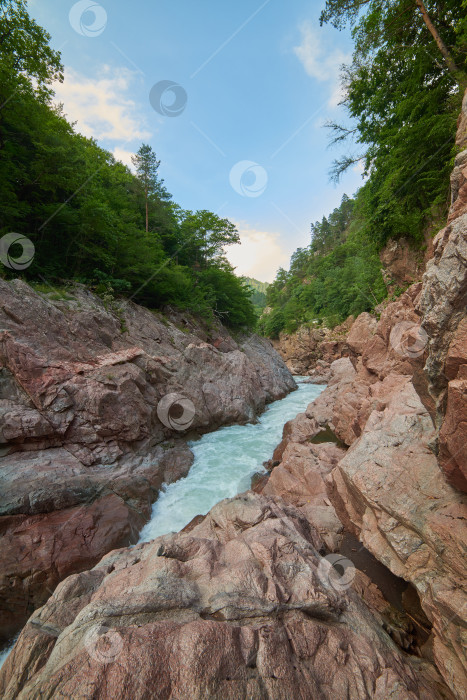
x=83, y=452
x=234, y=607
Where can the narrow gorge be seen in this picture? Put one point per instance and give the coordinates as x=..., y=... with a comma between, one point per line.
x=214, y=487
x=237, y=604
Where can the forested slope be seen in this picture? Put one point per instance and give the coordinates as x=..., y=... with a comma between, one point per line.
x=88, y=216
x=402, y=93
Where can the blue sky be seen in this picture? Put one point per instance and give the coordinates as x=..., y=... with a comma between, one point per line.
x=258, y=80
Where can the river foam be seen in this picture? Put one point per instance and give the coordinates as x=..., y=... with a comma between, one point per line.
x=225, y=461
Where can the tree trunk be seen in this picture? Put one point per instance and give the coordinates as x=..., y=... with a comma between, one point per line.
x=434, y=33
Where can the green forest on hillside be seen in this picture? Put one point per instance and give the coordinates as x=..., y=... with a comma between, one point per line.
x=258, y=296
x=92, y=220
x=403, y=93
x=89, y=218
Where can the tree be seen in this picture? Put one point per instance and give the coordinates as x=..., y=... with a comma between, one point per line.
x=392, y=15
x=446, y=54
x=24, y=45
x=403, y=100
x=204, y=237
x=27, y=63
x=147, y=165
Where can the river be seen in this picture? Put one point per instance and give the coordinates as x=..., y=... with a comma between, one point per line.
x=225, y=461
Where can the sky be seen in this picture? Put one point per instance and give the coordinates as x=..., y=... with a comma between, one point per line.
x=231, y=96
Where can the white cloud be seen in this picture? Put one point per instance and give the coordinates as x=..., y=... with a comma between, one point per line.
x=101, y=106
x=320, y=62
x=260, y=254
x=124, y=156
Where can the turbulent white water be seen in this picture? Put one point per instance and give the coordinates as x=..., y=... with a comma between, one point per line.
x=225, y=461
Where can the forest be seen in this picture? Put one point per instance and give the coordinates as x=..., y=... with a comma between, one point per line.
x=402, y=94
x=95, y=221
x=90, y=218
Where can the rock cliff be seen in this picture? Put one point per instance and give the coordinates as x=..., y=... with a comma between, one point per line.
x=265, y=596
x=83, y=449
x=377, y=476
x=395, y=415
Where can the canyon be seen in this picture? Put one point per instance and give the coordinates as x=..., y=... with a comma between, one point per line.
x=244, y=601
x=83, y=450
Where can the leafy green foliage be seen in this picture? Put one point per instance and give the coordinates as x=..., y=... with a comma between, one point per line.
x=337, y=275
x=24, y=46
x=258, y=296
x=403, y=100
x=88, y=216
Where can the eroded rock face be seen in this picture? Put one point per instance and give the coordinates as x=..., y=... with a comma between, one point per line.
x=443, y=299
x=453, y=433
x=299, y=479
x=387, y=487
x=443, y=304
x=95, y=377
x=404, y=263
x=389, y=490
x=236, y=608
x=83, y=450
x=311, y=349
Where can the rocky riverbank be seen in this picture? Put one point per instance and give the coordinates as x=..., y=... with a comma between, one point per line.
x=395, y=411
x=260, y=598
x=233, y=607
x=83, y=449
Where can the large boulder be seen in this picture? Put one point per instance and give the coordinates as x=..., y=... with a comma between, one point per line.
x=240, y=606
x=390, y=492
x=361, y=332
